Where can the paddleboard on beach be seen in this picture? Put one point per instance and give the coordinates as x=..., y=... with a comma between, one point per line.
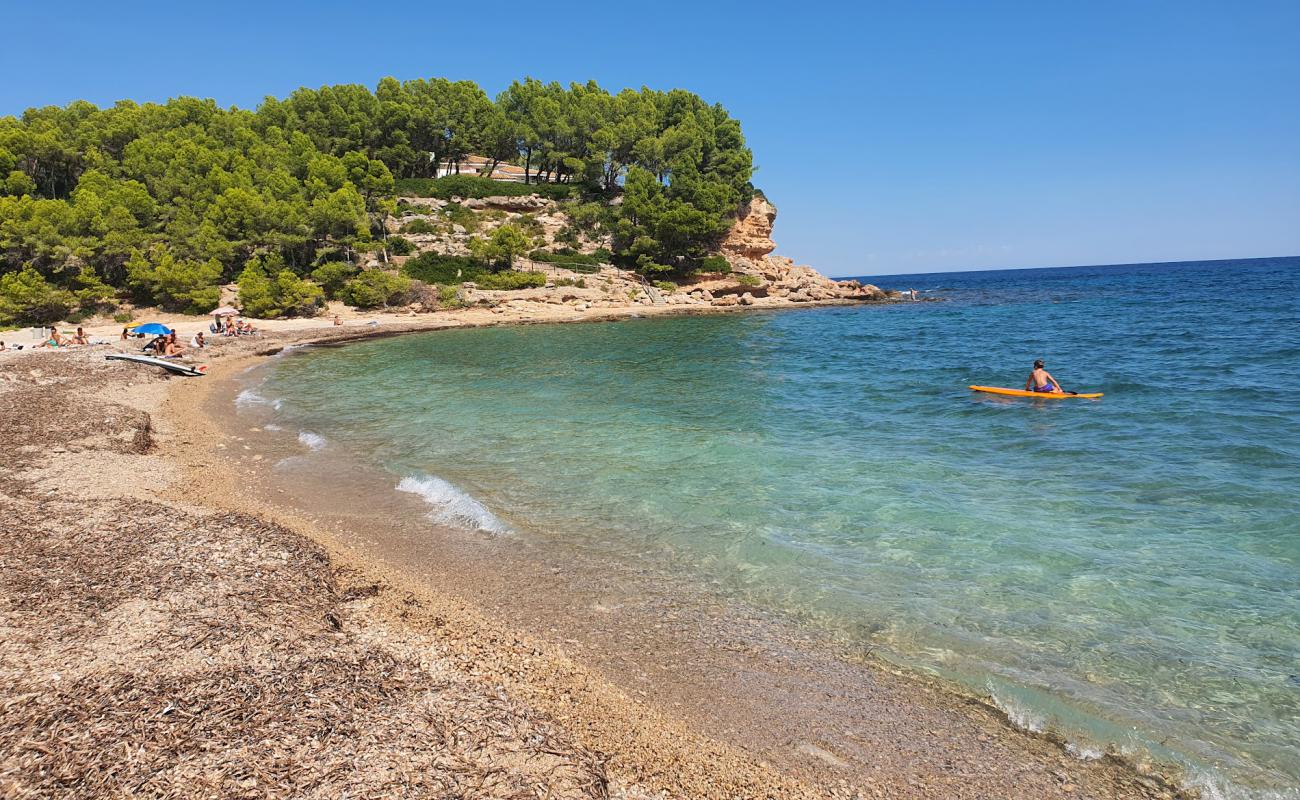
x=170, y=366
x=1023, y=393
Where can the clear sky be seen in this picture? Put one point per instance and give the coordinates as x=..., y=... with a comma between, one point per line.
x=893, y=137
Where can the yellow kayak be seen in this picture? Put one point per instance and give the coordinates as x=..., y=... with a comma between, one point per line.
x=1023, y=393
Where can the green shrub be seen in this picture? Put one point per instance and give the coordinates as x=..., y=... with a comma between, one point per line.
x=26, y=296
x=281, y=295
x=588, y=263
x=297, y=297
x=475, y=186
x=715, y=264
x=175, y=284
x=666, y=286
x=419, y=226
x=435, y=268
x=529, y=225
x=564, y=256
x=503, y=281
x=332, y=275
x=123, y=317
x=749, y=280
x=501, y=247
x=447, y=297
x=458, y=214
x=580, y=283
x=399, y=246
x=374, y=288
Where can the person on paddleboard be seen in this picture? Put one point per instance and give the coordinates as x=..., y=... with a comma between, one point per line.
x=1040, y=380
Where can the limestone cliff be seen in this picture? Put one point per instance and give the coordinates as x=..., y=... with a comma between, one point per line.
x=748, y=248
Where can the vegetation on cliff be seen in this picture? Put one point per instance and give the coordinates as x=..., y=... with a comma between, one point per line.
x=162, y=203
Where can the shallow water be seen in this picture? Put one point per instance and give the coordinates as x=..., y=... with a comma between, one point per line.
x=1126, y=570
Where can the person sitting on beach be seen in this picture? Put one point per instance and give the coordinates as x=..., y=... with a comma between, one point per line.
x=197, y=341
x=171, y=347
x=56, y=339
x=337, y=320
x=1040, y=380
x=81, y=337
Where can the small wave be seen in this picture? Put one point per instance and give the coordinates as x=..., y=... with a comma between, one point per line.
x=250, y=398
x=1018, y=715
x=289, y=348
x=451, y=506
x=312, y=441
x=1212, y=787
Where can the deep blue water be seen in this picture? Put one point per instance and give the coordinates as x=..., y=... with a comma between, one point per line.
x=1124, y=570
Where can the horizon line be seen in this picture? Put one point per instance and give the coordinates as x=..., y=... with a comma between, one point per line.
x=1060, y=266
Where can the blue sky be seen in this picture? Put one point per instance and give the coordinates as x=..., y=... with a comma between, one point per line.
x=893, y=137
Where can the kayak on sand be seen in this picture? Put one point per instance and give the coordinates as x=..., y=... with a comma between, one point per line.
x=1023, y=393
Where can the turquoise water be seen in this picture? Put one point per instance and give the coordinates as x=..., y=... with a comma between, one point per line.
x=1126, y=570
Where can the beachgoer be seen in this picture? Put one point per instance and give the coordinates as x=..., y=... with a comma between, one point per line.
x=81, y=337
x=1040, y=380
x=56, y=339
x=126, y=334
x=337, y=321
x=197, y=341
x=912, y=292
x=2, y=347
x=171, y=347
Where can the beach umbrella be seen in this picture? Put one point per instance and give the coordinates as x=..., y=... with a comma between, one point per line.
x=225, y=311
x=154, y=328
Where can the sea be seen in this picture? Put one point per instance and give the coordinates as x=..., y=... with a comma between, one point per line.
x=1122, y=571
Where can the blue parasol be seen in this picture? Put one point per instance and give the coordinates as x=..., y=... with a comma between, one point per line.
x=152, y=328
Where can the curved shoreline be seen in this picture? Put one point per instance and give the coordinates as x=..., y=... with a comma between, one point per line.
x=1123, y=779
x=929, y=740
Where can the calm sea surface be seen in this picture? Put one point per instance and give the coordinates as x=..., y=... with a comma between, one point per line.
x=1126, y=571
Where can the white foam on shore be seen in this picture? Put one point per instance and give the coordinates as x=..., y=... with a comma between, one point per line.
x=1018, y=715
x=312, y=441
x=451, y=506
x=250, y=398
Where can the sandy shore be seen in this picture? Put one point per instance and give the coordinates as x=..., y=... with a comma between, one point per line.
x=172, y=627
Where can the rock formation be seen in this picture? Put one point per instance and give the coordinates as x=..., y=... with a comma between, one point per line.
x=748, y=248
x=750, y=237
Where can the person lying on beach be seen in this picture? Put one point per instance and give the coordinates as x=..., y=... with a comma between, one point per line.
x=1040, y=380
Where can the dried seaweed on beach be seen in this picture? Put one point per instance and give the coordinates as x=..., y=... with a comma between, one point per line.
x=149, y=650
x=153, y=652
